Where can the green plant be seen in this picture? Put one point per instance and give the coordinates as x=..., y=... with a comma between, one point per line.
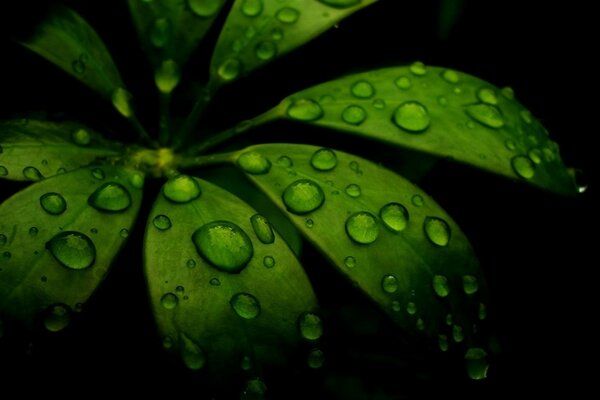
x=353, y=211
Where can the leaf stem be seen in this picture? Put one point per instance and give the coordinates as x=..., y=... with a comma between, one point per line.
x=164, y=122
x=184, y=162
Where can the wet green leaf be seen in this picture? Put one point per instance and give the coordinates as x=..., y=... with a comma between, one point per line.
x=56, y=244
x=33, y=149
x=258, y=31
x=171, y=30
x=439, y=111
x=69, y=42
x=383, y=233
x=218, y=292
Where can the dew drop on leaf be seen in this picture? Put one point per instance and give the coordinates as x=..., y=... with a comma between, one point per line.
x=303, y=196
x=161, y=222
x=450, y=76
x=246, y=363
x=350, y=262
x=441, y=286
x=470, y=284
x=487, y=95
x=205, y=8
x=353, y=190
x=437, y=231
x=418, y=68
x=167, y=76
x=287, y=15
x=309, y=223
x=457, y=333
x=403, y=82
x=389, y=284
x=245, y=305
x=482, y=311
x=354, y=115
x=323, y=160
x=362, y=227
x=394, y=216
x=417, y=200
x=443, y=342
x=269, y=262
x=535, y=155
x=215, y=282
x=411, y=308
x=523, y=167
x=305, y=110
x=124, y=233
x=32, y=174
x=362, y=90
x=81, y=137
x=315, y=358
x=137, y=180
x=72, y=249
x=252, y=8
x=285, y=161
x=224, y=244
x=33, y=231
x=486, y=114
x=160, y=32
x=340, y=3
x=411, y=116
x=310, y=326
x=53, y=203
x=98, y=173
x=262, y=229
x=7, y=255
x=420, y=324
x=477, y=365
x=110, y=197
x=181, y=189
x=192, y=354
x=190, y=263
x=230, y=69
x=169, y=301
x=265, y=50
x=57, y=317
x=277, y=34
x=78, y=67
x=254, y=163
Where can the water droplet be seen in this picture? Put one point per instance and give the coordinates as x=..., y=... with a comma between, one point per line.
x=378, y=104
x=470, y=284
x=394, y=216
x=110, y=197
x=350, y=262
x=167, y=76
x=61, y=171
x=403, y=82
x=486, y=115
x=254, y=163
x=510, y=145
x=192, y=354
x=269, y=262
x=53, y=203
x=287, y=15
x=310, y=326
x=98, y=173
x=418, y=68
x=420, y=324
x=309, y=223
x=167, y=342
x=169, y=301
x=315, y=358
x=437, y=231
x=277, y=34
x=449, y=320
x=354, y=115
x=32, y=174
x=3, y=239
x=94, y=230
x=262, y=229
x=252, y=8
x=417, y=200
x=3, y=170
x=255, y=389
x=354, y=166
x=457, y=333
x=353, y=190
x=265, y=50
x=303, y=196
x=443, y=342
x=230, y=69
x=33, y=231
x=362, y=227
x=323, y=160
x=487, y=95
x=57, y=317
x=535, y=155
x=441, y=286
x=124, y=233
x=160, y=32
x=411, y=116
x=482, y=311
x=477, y=365
x=121, y=100
x=411, y=308
x=245, y=305
x=215, y=282
x=340, y=3
x=6, y=255
x=285, y=161
x=450, y=76
x=389, y=284
x=181, y=189
x=523, y=167
x=224, y=244
x=362, y=90
x=78, y=67
x=305, y=110
x=190, y=263
x=81, y=137
x=205, y=8
x=508, y=92
x=246, y=363
x=180, y=289
x=72, y=249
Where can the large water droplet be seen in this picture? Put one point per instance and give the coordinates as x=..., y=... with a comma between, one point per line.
x=354, y=115
x=470, y=284
x=121, y=100
x=254, y=163
x=160, y=32
x=81, y=137
x=305, y=110
x=265, y=50
x=411, y=116
x=32, y=174
x=252, y=8
x=394, y=216
x=192, y=354
x=245, y=305
x=523, y=167
x=310, y=326
x=111, y=197
x=181, y=189
x=389, y=284
x=323, y=160
x=418, y=68
x=437, y=231
x=205, y=8
x=450, y=76
x=477, y=365
x=57, y=317
x=486, y=114
x=287, y=15
x=487, y=95
x=230, y=69
x=403, y=82
x=353, y=190
x=340, y=3
x=224, y=244
x=441, y=286
x=72, y=249
x=303, y=196
x=262, y=229
x=53, y=203
x=167, y=76
x=169, y=301
x=315, y=358
x=362, y=227
x=362, y=90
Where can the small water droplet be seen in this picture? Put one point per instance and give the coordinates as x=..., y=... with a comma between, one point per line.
x=411, y=308
x=353, y=190
x=169, y=301
x=161, y=222
x=394, y=216
x=265, y=50
x=191, y=263
x=418, y=68
x=110, y=197
x=450, y=76
x=205, y=8
x=245, y=305
x=354, y=115
x=277, y=34
x=160, y=32
x=417, y=200
x=477, y=365
x=443, y=342
x=486, y=114
x=192, y=354
x=457, y=333
x=78, y=67
x=180, y=289
x=510, y=145
x=57, y=317
x=309, y=223
x=487, y=95
x=362, y=90
x=420, y=324
x=315, y=358
x=269, y=262
x=72, y=249
x=287, y=15
x=254, y=163
x=53, y=203
x=33, y=231
x=378, y=104
x=441, y=286
x=167, y=76
x=449, y=319
x=340, y=3
x=7, y=255
x=224, y=244
x=215, y=282
x=252, y=8
x=121, y=100
x=81, y=137
x=403, y=82
x=482, y=311
x=124, y=233
x=354, y=166
x=323, y=160
x=3, y=170
x=32, y=174
x=437, y=231
x=310, y=326
x=508, y=92
x=442, y=101
x=470, y=284
x=362, y=227
x=98, y=173
x=411, y=116
x=246, y=363
x=167, y=342
x=350, y=262
x=305, y=110
x=285, y=161
x=535, y=155
x=181, y=189
x=389, y=284
x=523, y=167
x=94, y=230
x=303, y=196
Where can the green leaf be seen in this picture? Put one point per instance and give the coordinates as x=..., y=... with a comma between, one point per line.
x=58, y=238
x=68, y=41
x=221, y=289
x=258, y=31
x=439, y=111
x=33, y=149
x=171, y=30
x=383, y=233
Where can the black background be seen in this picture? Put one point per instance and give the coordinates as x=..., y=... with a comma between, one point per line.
x=537, y=249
